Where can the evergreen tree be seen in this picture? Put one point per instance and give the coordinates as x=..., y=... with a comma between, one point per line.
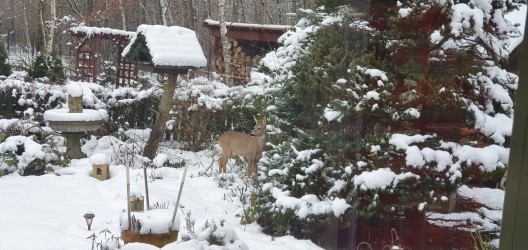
x=5, y=68
x=384, y=116
x=48, y=65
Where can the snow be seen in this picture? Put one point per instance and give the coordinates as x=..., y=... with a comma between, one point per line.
x=376, y=179
x=308, y=204
x=461, y=220
x=249, y=25
x=74, y=89
x=492, y=198
x=376, y=73
x=412, y=112
x=59, y=224
x=517, y=17
x=154, y=221
x=490, y=157
x=372, y=95
x=86, y=115
x=414, y=157
x=402, y=141
x=331, y=115
x=170, y=46
x=101, y=31
x=496, y=126
x=99, y=159
x=160, y=159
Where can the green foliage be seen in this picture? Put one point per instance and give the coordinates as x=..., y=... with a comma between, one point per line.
x=139, y=51
x=50, y=66
x=379, y=82
x=5, y=68
x=333, y=50
x=481, y=242
x=250, y=213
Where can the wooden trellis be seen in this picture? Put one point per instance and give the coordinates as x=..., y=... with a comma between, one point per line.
x=86, y=60
x=126, y=70
x=87, y=54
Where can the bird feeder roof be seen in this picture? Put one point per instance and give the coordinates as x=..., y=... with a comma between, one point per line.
x=167, y=47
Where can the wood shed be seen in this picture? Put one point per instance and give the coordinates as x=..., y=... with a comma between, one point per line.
x=249, y=43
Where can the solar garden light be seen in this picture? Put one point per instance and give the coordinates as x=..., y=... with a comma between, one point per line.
x=89, y=218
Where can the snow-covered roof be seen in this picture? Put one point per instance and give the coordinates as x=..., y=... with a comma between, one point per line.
x=249, y=25
x=101, y=31
x=170, y=46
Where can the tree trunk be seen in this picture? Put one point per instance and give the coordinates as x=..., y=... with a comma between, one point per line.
x=163, y=12
x=43, y=40
x=191, y=14
x=51, y=34
x=226, y=45
x=122, y=10
x=26, y=25
x=158, y=130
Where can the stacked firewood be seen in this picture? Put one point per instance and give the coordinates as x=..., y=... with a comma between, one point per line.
x=241, y=63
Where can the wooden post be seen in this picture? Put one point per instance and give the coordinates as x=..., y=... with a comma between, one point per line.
x=156, y=134
x=119, y=50
x=128, y=197
x=179, y=196
x=514, y=217
x=95, y=60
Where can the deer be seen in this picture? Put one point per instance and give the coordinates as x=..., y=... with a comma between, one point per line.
x=249, y=146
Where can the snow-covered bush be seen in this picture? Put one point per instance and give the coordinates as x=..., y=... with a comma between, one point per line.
x=23, y=155
x=212, y=236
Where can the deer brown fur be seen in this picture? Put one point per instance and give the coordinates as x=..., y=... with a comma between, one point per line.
x=249, y=146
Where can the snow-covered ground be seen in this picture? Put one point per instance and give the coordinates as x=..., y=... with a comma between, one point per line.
x=46, y=212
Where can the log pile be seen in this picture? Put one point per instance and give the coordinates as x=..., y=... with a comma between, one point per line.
x=241, y=63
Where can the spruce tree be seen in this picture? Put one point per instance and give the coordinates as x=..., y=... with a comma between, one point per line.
x=50, y=66
x=358, y=89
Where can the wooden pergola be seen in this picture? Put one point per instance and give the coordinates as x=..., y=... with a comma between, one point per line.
x=87, y=53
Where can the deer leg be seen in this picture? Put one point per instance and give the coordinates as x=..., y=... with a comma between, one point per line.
x=251, y=167
x=222, y=163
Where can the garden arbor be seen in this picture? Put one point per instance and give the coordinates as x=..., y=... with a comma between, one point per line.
x=87, y=53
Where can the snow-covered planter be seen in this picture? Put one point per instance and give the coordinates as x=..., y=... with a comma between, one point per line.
x=154, y=227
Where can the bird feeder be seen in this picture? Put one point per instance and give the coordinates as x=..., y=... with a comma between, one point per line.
x=100, y=166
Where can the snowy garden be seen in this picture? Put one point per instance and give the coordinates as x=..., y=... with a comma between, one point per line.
x=384, y=132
